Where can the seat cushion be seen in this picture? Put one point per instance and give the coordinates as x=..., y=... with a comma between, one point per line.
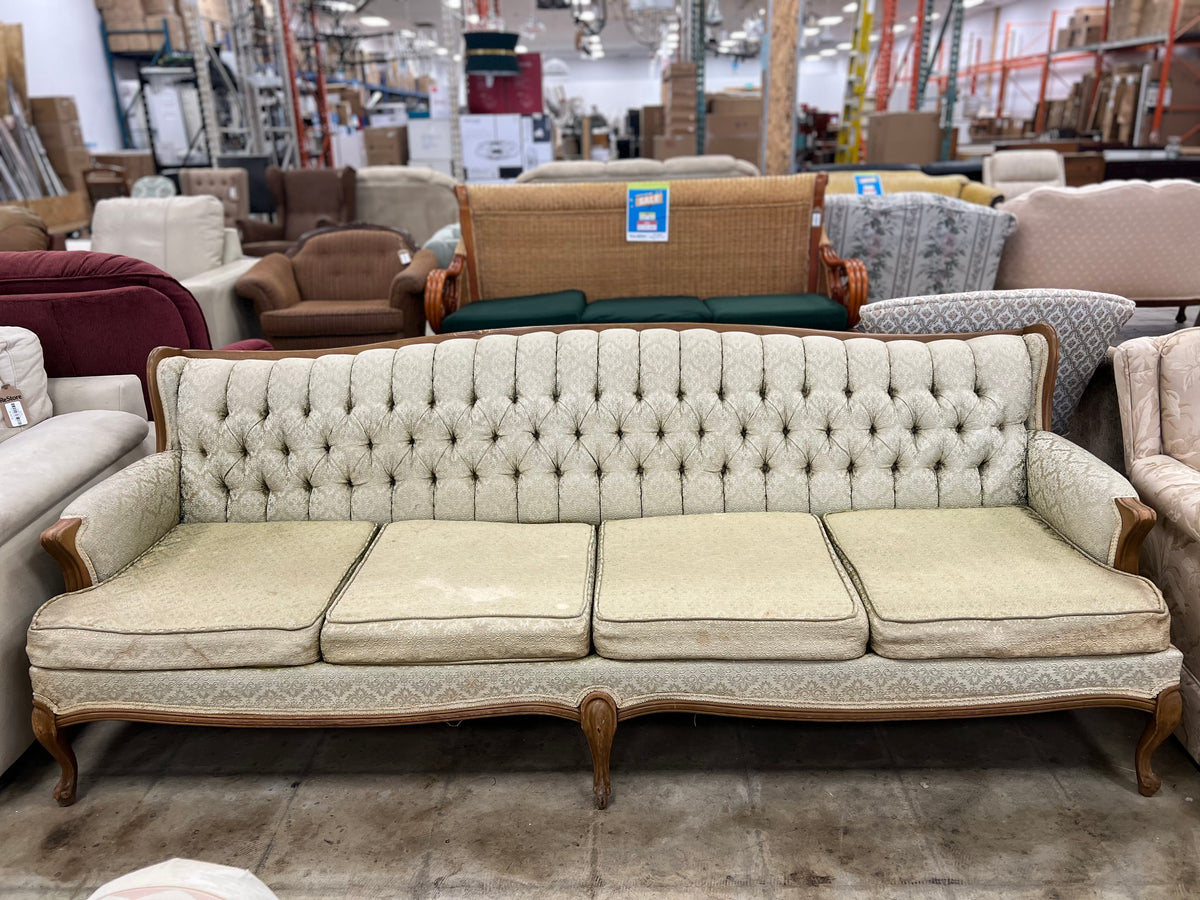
x=724, y=586
x=647, y=309
x=556, y=308
x=212, y=596
x=448, y=592
x=993, y=582
x=786, y=310
x=323, y=317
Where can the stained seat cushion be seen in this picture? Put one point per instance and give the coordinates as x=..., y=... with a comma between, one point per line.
x=647, y=309
x=333, y=317
x=556, y=308
x=781, y=310
x=207, y=596
x=724, y=586
x=990, y=582
x=449, y=592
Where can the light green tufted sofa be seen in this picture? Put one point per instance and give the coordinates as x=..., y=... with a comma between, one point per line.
x=599, y=523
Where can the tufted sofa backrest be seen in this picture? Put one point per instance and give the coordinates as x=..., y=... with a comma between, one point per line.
x=583, y=425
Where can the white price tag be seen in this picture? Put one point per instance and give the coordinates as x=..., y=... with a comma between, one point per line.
x=816, y=219
x=405, y=257
x=14, y=409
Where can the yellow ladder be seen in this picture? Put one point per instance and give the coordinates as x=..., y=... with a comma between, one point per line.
x=850, y=126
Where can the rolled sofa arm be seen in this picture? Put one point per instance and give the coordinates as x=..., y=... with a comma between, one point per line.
x=1172, y=488
x=846, y=280
x=75, y=393
x=408, y=291
x=1086, y=501
x=270, y=283
x=977, y=192
x=442, y=291
x=109, y=526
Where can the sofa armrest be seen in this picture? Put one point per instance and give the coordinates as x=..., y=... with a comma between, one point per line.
x=75, y=393
x=1172, y=488
x=231, y=246
x=442, y=291
x=229, y=317
x=844, y=279
x=1135, y=370
x=1085, y=501
x=107, y=527
x=252, y=231
x=270, y=283
x=977, y=192
x=408, y=291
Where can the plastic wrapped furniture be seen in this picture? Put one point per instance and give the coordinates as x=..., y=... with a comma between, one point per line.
x=230, y=186
x=1136, y=239
x=1086, y=324
x=917, y=244
x=1017, y=172
x=341, y=286
x=186, y=237
x=1158, y=389
x=305, y=199
x=99, y=314
x=80, y=431
x=681, y=167
x=412, y=198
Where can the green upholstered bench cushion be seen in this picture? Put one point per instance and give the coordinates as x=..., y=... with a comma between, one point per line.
x=648, y=309
x=558, y=308
x=788, y=310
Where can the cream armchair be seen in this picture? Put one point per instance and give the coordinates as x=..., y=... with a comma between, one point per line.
x=1158, y=389
x=186, y=237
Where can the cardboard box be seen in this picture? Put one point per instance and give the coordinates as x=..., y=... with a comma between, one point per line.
x=53, y=109
x=1126, y=19
x=491, y=142
x=653, y=121
x=175, y=31
x=734, y=125
x=674, y=70
x=136, y=41
x=215, y=10
x=665, y=147
x=70, y=163
x=736, y=104
x=386, y=146
x=136, y=163
x=121, y=9
x=739, y=147
x=159, y=7
x=59, y=134
x=903, y=137
x=1064, y=39
x=429, y=139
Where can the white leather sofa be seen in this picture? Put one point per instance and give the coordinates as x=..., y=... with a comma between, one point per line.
x=80, y=431
x=186, y=237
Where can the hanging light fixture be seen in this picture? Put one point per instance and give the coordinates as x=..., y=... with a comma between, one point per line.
x=491, y=51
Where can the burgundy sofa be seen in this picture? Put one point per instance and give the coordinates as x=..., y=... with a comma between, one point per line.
x=100, y=314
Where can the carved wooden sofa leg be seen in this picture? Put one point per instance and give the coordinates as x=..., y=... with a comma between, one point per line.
x=598, y=717
x=1167, y=712
x=54, y=739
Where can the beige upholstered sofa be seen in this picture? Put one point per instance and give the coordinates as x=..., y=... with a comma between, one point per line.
x=1135, y=239
x=186, y=237
x=81, y=430
x=1158, y=391
x=677, y=169
x=1017, y=172
x=598, y=523
x=411, y=198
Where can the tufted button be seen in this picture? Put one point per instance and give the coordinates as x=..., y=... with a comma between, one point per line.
x=558, y=472
x=682, y=468
x=474, y=475
x=370, y=445
x=473, y=399
x=958, y=429
x=700, y=432
x=578, y=433
x=620, y=434
x=892, y=391
x=495, y=436
x=785, y=431
x=938, y=466
x=349, y=407
x=915, y=430
x=724, y=469
x=412, y=440
x=762, y=392
x=808, y=468
x=849, y=393
x=895, y=466
x=433, y=477
x=536, y=434
x=640, y=471
x=391, y=404
x=453, y=439
x=661, y=434
x=850, y=467
x=804, y=391
x=554, y=395
x=680, y=395
x=391, y=479
x=828, y=431
x=287, y=451
x=599, y=472
x=721, y=394
x=872, y=430
x=637, y=394
x=328, y=447
x=744, y=432
x=306, y=412
x=765, y=467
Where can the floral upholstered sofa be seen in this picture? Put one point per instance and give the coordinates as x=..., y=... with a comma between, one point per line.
x=600, y=523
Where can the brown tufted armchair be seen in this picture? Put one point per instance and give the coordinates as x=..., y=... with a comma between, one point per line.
x=304, y=199
x=230, y=186
x=341, y=286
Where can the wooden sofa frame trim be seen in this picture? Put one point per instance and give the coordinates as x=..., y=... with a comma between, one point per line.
x=599, y=713
x=847, y=278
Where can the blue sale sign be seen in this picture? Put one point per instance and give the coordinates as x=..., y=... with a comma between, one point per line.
x=647, y=211
x=870, y=185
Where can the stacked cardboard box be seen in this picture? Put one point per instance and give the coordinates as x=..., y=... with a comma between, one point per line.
x=386, y=146
x=57, y=122
x=1085, y=27
x=136, y=163
x=144, y=19
x=679, y=98
x=904, y=137
x=653, y=124
x=734, y=125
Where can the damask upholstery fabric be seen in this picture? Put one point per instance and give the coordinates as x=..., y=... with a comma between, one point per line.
x=206, y=597
x=1172, y=488
x=990, y=582
x=868, y=683
x=730, y=586
x=1086, y=323
x=916, y=243
x=438, y=592
x=1076, y=494
x=1124, y=237
x=613, y=424
x=22, y=367
x=1135, y=371
x=1179, y=396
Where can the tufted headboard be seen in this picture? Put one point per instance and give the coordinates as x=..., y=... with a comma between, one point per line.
x=583, y=424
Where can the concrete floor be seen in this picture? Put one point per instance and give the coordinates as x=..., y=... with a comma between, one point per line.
x=1039, y=806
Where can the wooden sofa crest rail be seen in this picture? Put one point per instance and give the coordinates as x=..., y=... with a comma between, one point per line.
x=728, y=237
x=309, y=498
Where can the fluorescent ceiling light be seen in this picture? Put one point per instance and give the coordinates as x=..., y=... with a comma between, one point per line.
x=453, y=4
x=874, y=38
x=407, y=33
x=899, y=28
x=813, y=57
x=830, y=20
x=850, y=7
x=971, y=4
x=811, y=32
x=373, y=21
x=587, y=15
x=340, y=6
x=845, y=45
x=441, y=51
x=829, y=51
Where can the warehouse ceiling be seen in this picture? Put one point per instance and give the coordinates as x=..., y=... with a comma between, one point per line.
x=556, y=32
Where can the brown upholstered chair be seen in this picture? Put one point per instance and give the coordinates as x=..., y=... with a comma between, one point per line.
x=230, y=186
x=22, y=229
x=341, y=286
x=104, y=182
x=305, y=199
